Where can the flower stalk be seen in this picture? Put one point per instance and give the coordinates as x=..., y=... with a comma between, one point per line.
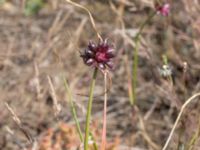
x=103, y=142
x=135, y=58
x=164, y=10
x=89, y=109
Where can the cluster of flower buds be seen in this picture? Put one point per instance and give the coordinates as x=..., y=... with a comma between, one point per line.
x=99, y=55
x=163, y=9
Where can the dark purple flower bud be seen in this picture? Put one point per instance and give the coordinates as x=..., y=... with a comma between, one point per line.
x=90, y=61
x=110, y=53
x=102, y=66
x=89, y=52
x=92, y=46
x=99, y=55
x=163, y=10
x=110, y=64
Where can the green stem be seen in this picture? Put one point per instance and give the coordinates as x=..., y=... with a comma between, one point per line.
x=135, y=64
x=94, y=142
x=135, y=67
x=89, y=109
x=73, y=110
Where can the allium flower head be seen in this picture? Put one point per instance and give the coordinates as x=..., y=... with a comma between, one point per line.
x=99, y=55
x=163, y=9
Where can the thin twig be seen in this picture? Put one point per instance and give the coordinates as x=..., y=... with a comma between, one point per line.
x=38, y=87
x=90, y=15
x=178, y=118
x=19, y=124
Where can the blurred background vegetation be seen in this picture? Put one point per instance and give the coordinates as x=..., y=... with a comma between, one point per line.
x=40, y=38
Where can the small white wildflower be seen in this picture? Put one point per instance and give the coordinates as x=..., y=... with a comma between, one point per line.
x=165, y=71
x=90, y=142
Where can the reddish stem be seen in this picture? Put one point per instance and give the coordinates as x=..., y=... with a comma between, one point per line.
x=103, y=142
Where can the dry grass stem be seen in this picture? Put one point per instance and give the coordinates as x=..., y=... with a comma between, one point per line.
x=57, y=106
x=90, y=15
x=178, y=118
